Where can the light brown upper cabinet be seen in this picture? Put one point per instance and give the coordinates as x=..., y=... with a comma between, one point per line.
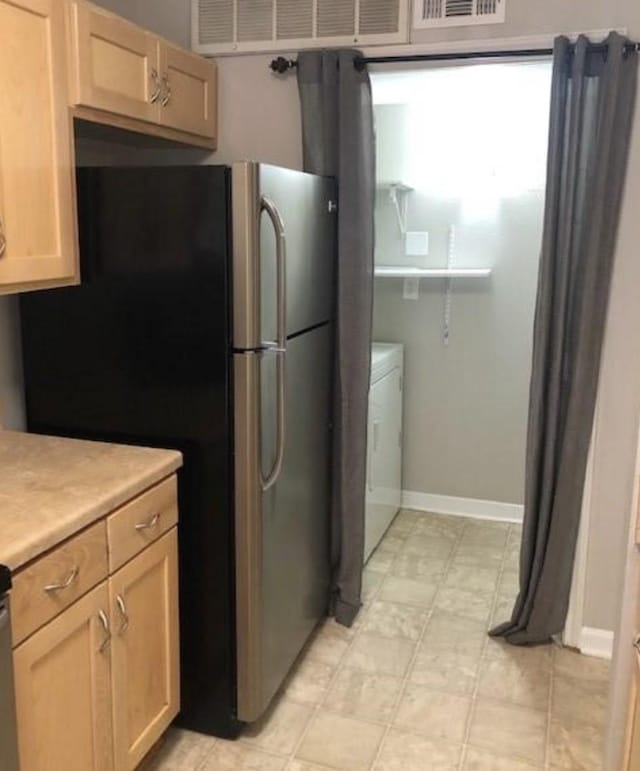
x=116, y=66
x=122, y=70
x=38, y=245
x=189, y=90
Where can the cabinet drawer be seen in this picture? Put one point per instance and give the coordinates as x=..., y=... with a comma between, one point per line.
x=52, y=583
x=141, y=522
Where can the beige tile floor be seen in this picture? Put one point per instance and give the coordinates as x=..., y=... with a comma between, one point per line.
x=417, y=684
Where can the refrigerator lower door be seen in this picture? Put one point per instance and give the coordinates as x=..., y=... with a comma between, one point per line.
x=282, y=534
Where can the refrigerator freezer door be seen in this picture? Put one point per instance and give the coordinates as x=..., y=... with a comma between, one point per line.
x=282, y=534
x=306, y=205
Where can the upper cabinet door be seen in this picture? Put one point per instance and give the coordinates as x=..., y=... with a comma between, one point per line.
x=189, y=98
x=37, y=187
x=116, y=64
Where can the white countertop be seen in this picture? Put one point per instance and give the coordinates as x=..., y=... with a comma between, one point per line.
x=51, y=488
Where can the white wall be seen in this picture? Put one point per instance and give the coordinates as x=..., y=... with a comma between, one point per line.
x=466, y=403
x=169, y=18
x=481, y=169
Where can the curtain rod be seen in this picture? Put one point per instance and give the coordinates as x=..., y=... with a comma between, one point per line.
x=281, y=65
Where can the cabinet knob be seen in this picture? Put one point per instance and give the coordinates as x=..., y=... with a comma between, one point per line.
x=636, y=643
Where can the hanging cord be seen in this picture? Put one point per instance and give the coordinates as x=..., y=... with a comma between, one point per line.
x=446, y=327
x=401, y=211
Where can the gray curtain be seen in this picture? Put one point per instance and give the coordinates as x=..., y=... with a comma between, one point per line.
x=338, y=140
x=591, y=112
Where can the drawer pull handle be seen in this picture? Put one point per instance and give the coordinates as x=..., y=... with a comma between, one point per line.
x=102, y=616
x=167, y=91
x=3, y=240
x=149, y=524
x=636, y=643
x=124, y=616
x=63, y=584
x=157, y=86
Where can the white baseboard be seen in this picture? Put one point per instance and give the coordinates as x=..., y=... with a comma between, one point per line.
x=596, y=642
x=463, y=507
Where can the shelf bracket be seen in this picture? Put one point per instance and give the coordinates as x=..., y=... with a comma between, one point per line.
x=401, y=210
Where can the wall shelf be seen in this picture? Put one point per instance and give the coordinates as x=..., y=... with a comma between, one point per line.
x=392, y=271
x=393, y=184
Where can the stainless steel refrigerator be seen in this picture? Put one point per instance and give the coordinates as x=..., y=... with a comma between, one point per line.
x=204, y=322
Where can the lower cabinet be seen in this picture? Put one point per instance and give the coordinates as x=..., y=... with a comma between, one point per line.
x=63, y=690
x=144, y=653
x=97, y=686
x=633, y=763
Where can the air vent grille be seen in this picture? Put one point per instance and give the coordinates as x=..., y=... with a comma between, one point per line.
x=336, y=18
x=459, y=8
x=487, y=7
x=255, y=19
x=379, y=16
x=432, y=9
x=215, y=21
x=227, y=26
x=294, y=19
x=455, y=13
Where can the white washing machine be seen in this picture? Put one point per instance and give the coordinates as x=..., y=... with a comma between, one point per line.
x=384, y=446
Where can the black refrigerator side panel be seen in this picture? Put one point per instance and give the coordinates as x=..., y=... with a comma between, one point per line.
x=139, y=353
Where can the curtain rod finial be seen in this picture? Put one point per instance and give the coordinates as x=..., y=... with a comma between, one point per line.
x=282, y=65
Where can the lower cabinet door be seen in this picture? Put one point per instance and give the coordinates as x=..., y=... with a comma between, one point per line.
x=145, y=652
x=634, y=748
x=63, y=690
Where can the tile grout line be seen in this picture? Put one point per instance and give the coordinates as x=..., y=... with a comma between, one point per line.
x=341, y=663
x=401, y=690
x=485, y=645
x=406, y=679
x=312, y=692
x=317, y=707
x=547, y=745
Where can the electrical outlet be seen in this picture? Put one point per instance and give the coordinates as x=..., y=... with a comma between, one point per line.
x=411, y=289
x=416, y=244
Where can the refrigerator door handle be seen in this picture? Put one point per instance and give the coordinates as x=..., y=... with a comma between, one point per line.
x=280, y=348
